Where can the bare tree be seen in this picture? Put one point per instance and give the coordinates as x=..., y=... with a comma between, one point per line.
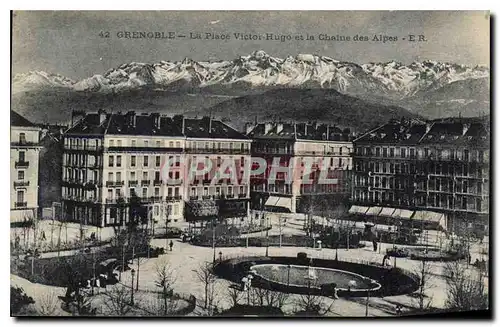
x=466, y=288
x=423, y=271
x=164, y=280
x=235, y=295
x=206, y=275
x=314, y=305
x=47, y=304
x=117, y=300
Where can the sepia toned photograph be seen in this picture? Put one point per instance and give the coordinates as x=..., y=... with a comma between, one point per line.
x=221, y=164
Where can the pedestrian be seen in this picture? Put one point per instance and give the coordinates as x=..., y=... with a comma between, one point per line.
x=98, y=284
x=171, y=244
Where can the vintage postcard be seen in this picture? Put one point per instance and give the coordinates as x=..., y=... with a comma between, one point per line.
x=250, y=164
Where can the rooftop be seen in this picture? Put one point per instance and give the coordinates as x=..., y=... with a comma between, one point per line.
x=18, y=120
x=457, y=131
x=152, y=124
x=297, y=131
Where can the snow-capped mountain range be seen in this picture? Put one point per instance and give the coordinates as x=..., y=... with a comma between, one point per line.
x=391, y=79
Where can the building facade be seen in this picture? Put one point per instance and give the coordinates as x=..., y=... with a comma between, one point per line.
x=24, y=167
x=441, y=166
x=120, y=167
x=325, y=149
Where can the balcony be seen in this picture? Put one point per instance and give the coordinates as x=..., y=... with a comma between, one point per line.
x=21, y=183
x=193, y=197
x=206, y=197
x=157, y=182
x=20, y=204
x=22, y=164
x=133, y=183
x=110, y=200
x=155, y=198
x=177, y=197
x=229, y=196
x=145, y=182
x=242, y=195
x=174, y=181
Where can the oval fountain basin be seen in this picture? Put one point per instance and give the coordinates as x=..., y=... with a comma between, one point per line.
x=305, y=276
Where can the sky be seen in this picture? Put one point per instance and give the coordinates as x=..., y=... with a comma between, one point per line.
x=69, y=43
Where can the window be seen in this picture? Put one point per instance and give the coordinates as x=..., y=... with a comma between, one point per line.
x=377, y=151
x=110, y=177
x=132, y=175
x=158, y=144
x=146, y=143
x=384, y=152
x=110, y=193
x=177, y=144
x=119, y=143
x=146, y=162
x=193, y=191
x=157, y=210
x=118, y=161
x=176, y=209
x=132, y=161
x=22, y=156
x=144, y=175
x=118, y=193
x=157, y=191
x=22, y=139
x=20, y=196
x=169, y=192
x=145, y=192
x=176, y=191
x=158, y=161
x=391, y=152
x=20, y=175
x=171, y=144
x=111, y=143
x=403, y=152
x=132, y=191
x=111, y=161
x=466, y=155
x=157, y=175
x=118, y=176
x=412, y=153
x=230, y=190
x=133, y=143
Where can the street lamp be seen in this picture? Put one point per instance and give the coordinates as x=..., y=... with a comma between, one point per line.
x=220, y=256
x=213, y=238
x=132, y=272
x=288, y=276
x=267, y=236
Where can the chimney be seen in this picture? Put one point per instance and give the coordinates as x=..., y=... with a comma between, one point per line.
x=102, y=116
x=267, y=127
x=210, y=124
x=183, y=125
x=427, y=127
x=279, y=127
x=156, y=120
x=131, y=118
x=327, y=132
x=249, y=127
x=295, y=130
x=465, y=128
x=305, y=129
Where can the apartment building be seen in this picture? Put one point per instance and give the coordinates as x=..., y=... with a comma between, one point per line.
x=294, y=145
x=440, y=166
x=223, y=189
x=126, y=166
x=24, y=165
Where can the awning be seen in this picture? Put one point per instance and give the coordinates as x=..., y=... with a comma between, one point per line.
x=402, y=213
x=280, y=202
x=373, y=211
x=358, y=210
x=431, y=217
x=386, y=212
